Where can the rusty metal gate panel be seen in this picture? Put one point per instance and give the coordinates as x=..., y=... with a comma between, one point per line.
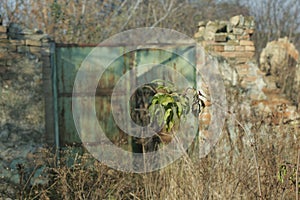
x=69, y=60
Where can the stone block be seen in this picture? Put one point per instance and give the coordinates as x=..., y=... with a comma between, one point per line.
x=15, y=36
x=239, y=48
x=238, y=54
x=234, y=21
x=17, y=42
x=249, y=31
x=249, y=48
x=246, y=43
x=219, y=48
x=3, y=29
x=3, y=36
x=12, y=48
x=229, y=48
x=9, y=62
x=22, y=49
x=231, y=36
x=238, y=31
x=242, y=21
x=220, y=37
x=33, y=43
x=242, y=69
x=45, y=51
x=201, y=23
x=243, y=37
x=2, y=62
x=241, y=60
x=4, y=55
x=3, y=49
x=233, y=42
x=35, y=51
x=3, y=69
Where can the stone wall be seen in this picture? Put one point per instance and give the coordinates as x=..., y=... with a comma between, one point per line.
x=24, y=84
x=278, y=61
x=251, y=91
x=26, y=94
x=229, y=39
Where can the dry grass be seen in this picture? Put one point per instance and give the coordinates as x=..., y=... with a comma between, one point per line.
x=228, y=172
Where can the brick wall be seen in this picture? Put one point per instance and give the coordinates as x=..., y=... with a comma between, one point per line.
x=252, y=97
x=229, y=39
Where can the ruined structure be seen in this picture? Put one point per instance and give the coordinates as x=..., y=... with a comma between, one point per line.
x=231, y=41
x=252, y=91
x=24, y=91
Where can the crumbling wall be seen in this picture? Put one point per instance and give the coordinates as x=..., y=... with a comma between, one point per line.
x=24, y=75
x=278, y=61
x=252, y=98
x=231, y=41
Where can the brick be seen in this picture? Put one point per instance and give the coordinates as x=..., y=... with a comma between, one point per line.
x=34, y=49
x=17, y=42
x=250, y=79
x=3, y=29
x=3, y=36
x=229, y=48
x=241, y=60
x=240, y=48
x=220, y=37
x=249, y=31
x=233, y=42
x=243, y=37
x=249, y=48
x=33, y=43
x=219, y=48
x=246, y=43
x=238, y=54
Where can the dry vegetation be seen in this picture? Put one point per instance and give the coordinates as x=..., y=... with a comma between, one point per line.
x=248, y=169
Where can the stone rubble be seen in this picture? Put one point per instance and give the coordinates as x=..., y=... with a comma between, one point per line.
x=256, y=93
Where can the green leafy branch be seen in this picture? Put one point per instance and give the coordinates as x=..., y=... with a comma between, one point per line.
x=169, y=104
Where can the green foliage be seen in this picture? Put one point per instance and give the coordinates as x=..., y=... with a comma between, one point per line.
x=170, y=103
x=287, y=172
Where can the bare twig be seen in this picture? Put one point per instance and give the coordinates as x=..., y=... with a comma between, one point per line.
x=131, y=14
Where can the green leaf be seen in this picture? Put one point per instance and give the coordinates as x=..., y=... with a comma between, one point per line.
x=179, y=108
x=166, y=100
x=167, y=115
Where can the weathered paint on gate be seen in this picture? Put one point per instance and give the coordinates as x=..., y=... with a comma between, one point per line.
x=69, y=60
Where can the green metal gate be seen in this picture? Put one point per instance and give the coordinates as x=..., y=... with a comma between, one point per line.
x=68, y=60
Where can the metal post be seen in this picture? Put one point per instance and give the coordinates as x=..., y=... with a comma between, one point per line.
x=55, y=100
